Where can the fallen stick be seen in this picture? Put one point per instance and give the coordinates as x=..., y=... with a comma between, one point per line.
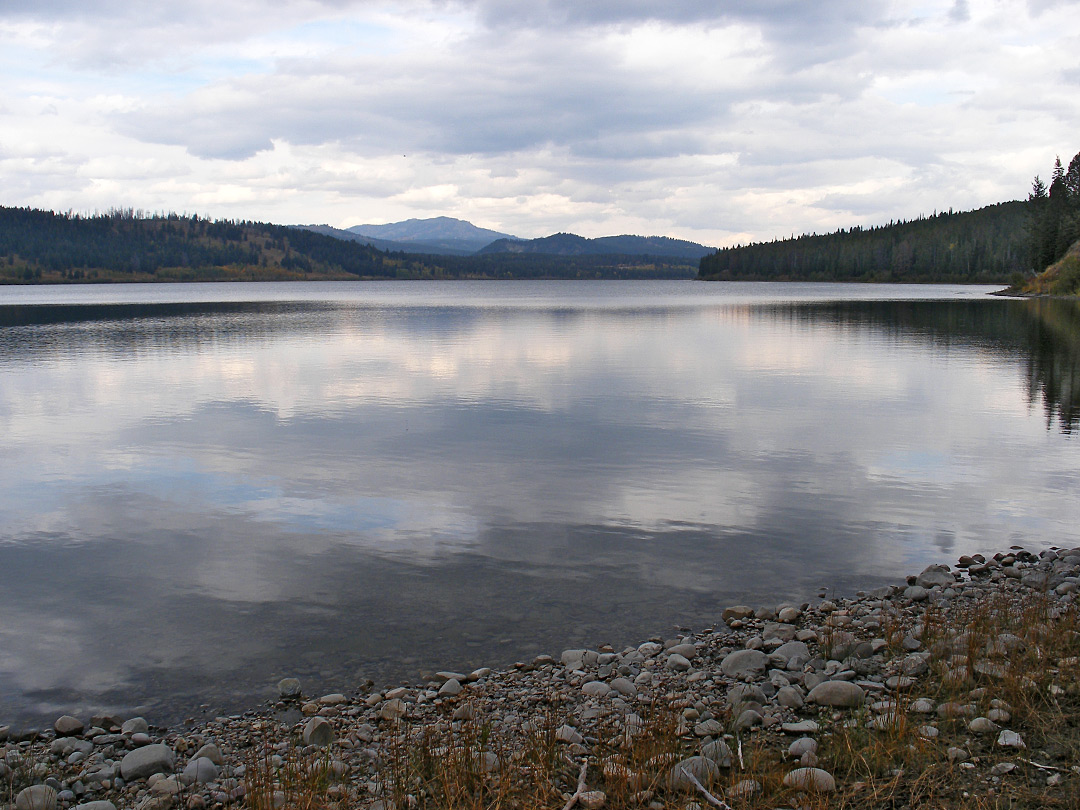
x=711, y=799
x=742, y=767
x=1044, y=767
x=580, y=786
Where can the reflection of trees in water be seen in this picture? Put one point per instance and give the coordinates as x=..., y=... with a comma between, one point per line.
x=1045, y=333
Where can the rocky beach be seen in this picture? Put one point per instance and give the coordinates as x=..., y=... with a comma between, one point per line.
x=960, y=686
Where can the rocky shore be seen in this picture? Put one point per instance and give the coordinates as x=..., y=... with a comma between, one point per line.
x=960, y=685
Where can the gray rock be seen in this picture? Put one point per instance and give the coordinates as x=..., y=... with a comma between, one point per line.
x=101, y=804
x=624, y=686
x=749, y=718
x=568, y=734
x=687, y=651
x=802, y=727
x=701, y=768
x=678, y=663
x=802, y=746
x=450, y=688
x=981, y=725
x=318, y=732
x=572, y=658
x=793, y=649
x=201, y=770
x=916, y=593
x=68, y=726
x=935, y=575
x=709, y=728
x=812, y=780
x=718, y=751
x=36, y=797
x=789, y=697
x=136, y=725
x=289, y=688
x=737, y=612
x=596, y=689
x=744, y=664
x=146, y=761
x=840, y=694
x=1010, y=739
x=212, y=753
x=393, y=709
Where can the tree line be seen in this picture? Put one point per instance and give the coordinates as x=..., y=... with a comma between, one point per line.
x=988, y=245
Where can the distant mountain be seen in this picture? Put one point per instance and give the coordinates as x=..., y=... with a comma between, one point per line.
x=569, y=244
x=445, y=234
x=386, y=244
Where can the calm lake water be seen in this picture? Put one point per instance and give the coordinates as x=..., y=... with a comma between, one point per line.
x=206, y=488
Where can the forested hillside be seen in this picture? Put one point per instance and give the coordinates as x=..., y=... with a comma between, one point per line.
x=45, y=247
x=1054, y=230
x=988, y=245
x=42, y=246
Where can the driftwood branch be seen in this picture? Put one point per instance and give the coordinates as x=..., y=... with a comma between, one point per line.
x=742, y=766
x=580, y=785
x=1044, y=767
x=708, y=796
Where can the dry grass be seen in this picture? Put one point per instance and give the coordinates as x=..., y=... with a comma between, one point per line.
x=880, y=760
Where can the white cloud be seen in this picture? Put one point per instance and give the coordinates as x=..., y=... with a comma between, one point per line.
x=712, y=121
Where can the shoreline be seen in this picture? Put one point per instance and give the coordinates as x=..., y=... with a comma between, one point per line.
x=780, y=680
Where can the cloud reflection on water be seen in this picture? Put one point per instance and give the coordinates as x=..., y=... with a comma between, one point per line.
x=328, y=490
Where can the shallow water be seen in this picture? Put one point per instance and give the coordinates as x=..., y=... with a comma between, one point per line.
x=208, y=487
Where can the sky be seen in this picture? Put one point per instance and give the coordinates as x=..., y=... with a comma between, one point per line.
x=716, y=121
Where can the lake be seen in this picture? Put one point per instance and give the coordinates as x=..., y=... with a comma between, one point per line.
x=206, y=488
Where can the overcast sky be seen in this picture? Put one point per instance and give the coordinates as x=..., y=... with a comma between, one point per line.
x=717, y=121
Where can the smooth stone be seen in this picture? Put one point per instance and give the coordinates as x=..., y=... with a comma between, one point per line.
x=592, y=799
x=201, y=770
x=450, y=688
x=839, y=694
x=568, y=734
x=318, y=732
x=624, y=686
x=36, y=797
x=789, y=615
x=709, y=728
x=393, y=709
x=744, y=663
x=445, y=675
x=916, y=593
x=136, y=725
x=146, y=761
x=596, y=689
x=789, y=697
x=678, y=663
x=812, y=780
x=333, y=700
x=935, y=575
x=701, y=768
x=793, y=649
x=748, y=719
x=802, y=746
x=687, y=651
x=100, y=804
x=982, y=725
x=68, y=726
x=802, y=727
x=212, y=753
x=288, y=688
x=737, y=612
x=718, y=751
